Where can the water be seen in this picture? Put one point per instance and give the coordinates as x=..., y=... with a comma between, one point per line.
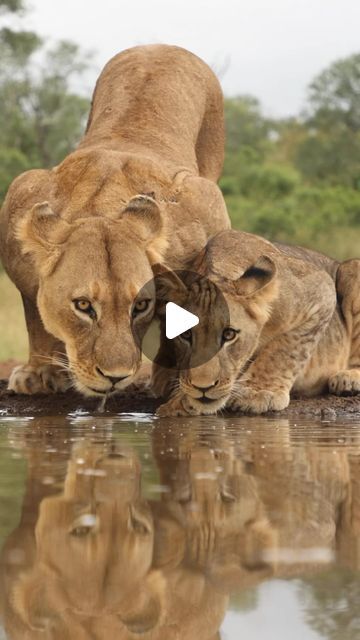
x=196, y=529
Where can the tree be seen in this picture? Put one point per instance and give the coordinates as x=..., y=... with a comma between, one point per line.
x=331, y=604
x=11, y=5
x=330, y=152
x=245, y=124
x=334, y=96
x=41, y=117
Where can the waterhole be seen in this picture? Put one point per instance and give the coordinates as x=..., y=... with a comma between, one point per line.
x=195, y=529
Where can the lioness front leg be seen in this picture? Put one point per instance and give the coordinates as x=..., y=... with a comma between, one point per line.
x=164, y=375
x=347, y=381
x=40, y=374
x=267, y=383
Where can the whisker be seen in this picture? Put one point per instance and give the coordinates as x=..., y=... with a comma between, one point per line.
x=174, y=388
x=53, y=360
x=42, y=357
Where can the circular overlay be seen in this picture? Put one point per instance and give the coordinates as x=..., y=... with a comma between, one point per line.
x=190, y=292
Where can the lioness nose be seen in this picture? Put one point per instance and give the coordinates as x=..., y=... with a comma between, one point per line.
x=113, y=379
x=205, y=389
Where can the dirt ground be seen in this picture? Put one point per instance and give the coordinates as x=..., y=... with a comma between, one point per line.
x=325, y=407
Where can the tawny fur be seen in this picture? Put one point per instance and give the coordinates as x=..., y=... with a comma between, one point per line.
x=155, y=128
x=299, y=331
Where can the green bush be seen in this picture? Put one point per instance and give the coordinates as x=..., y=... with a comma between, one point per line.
x=12, y=163
x=313, y=216
x=229, y=185
x=268, y=181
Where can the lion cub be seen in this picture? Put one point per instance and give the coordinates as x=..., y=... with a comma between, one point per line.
x=294, y=326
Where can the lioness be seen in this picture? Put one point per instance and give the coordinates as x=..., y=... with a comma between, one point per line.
x=79, y=241
x=93, y=554
x=294, y=326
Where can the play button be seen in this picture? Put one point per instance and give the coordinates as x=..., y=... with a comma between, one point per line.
x=178, y=320
x=190, y=316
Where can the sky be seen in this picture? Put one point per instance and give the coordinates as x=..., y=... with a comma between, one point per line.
x=268, y=48
x=278, y=615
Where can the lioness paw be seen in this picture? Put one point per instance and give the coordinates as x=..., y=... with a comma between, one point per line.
x=345, y=383
x=176, y=406
x=142, y=380
x=252, y=401
x=29, y=380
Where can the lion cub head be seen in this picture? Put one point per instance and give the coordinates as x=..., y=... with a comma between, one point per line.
x=90, y=273
x=207, y=380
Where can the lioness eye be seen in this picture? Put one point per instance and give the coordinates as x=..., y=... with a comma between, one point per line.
x=84, y=525
x=81, y=532
x=140, y=306
x=229, y=334
x=83, y=305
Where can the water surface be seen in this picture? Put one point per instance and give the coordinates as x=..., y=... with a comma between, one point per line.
x=196, y=529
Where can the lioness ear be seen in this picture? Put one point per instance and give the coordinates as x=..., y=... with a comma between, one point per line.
x=169, y=287
x=256, y=277
x=40, y=233
x=31, y=601
x=145, y=213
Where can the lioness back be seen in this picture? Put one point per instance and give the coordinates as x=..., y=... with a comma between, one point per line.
x=186, y=126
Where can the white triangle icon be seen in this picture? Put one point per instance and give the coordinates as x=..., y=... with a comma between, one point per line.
x=178, y=320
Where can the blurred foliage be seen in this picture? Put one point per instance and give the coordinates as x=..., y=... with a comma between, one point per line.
x=298, y=180
x=13, y=473
x=11, y=5
x=331, y=604
x=41, y=116
x=293, y=180
x=13, y=336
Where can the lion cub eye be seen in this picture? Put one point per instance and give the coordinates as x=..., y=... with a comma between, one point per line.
x=140, y=306
x=186, y=336
x=229, y=334
x=83, y=305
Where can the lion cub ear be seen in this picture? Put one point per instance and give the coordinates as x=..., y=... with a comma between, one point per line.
x=169, y=287
x=145, y=214
x=41, y=232
x=257, y=278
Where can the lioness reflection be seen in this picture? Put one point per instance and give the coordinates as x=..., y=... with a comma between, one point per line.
x=97, y=560
x=93, y=553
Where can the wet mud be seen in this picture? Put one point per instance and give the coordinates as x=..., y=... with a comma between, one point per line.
x=134, y=401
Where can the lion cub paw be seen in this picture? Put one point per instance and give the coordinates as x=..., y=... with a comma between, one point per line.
x=252, y=401
x=30, y=380
x=345, y=383
x=176, y=406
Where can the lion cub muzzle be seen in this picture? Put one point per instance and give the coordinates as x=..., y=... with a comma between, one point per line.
x=205, y=387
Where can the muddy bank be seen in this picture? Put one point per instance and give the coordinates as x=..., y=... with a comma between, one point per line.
x=325, y=407
x=64, y=403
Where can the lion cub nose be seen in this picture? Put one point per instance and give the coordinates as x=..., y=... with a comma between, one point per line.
x=113, y=379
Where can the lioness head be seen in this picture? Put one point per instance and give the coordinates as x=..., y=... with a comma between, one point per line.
x=90, y=273
x=205, y=379
x=94, y=550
